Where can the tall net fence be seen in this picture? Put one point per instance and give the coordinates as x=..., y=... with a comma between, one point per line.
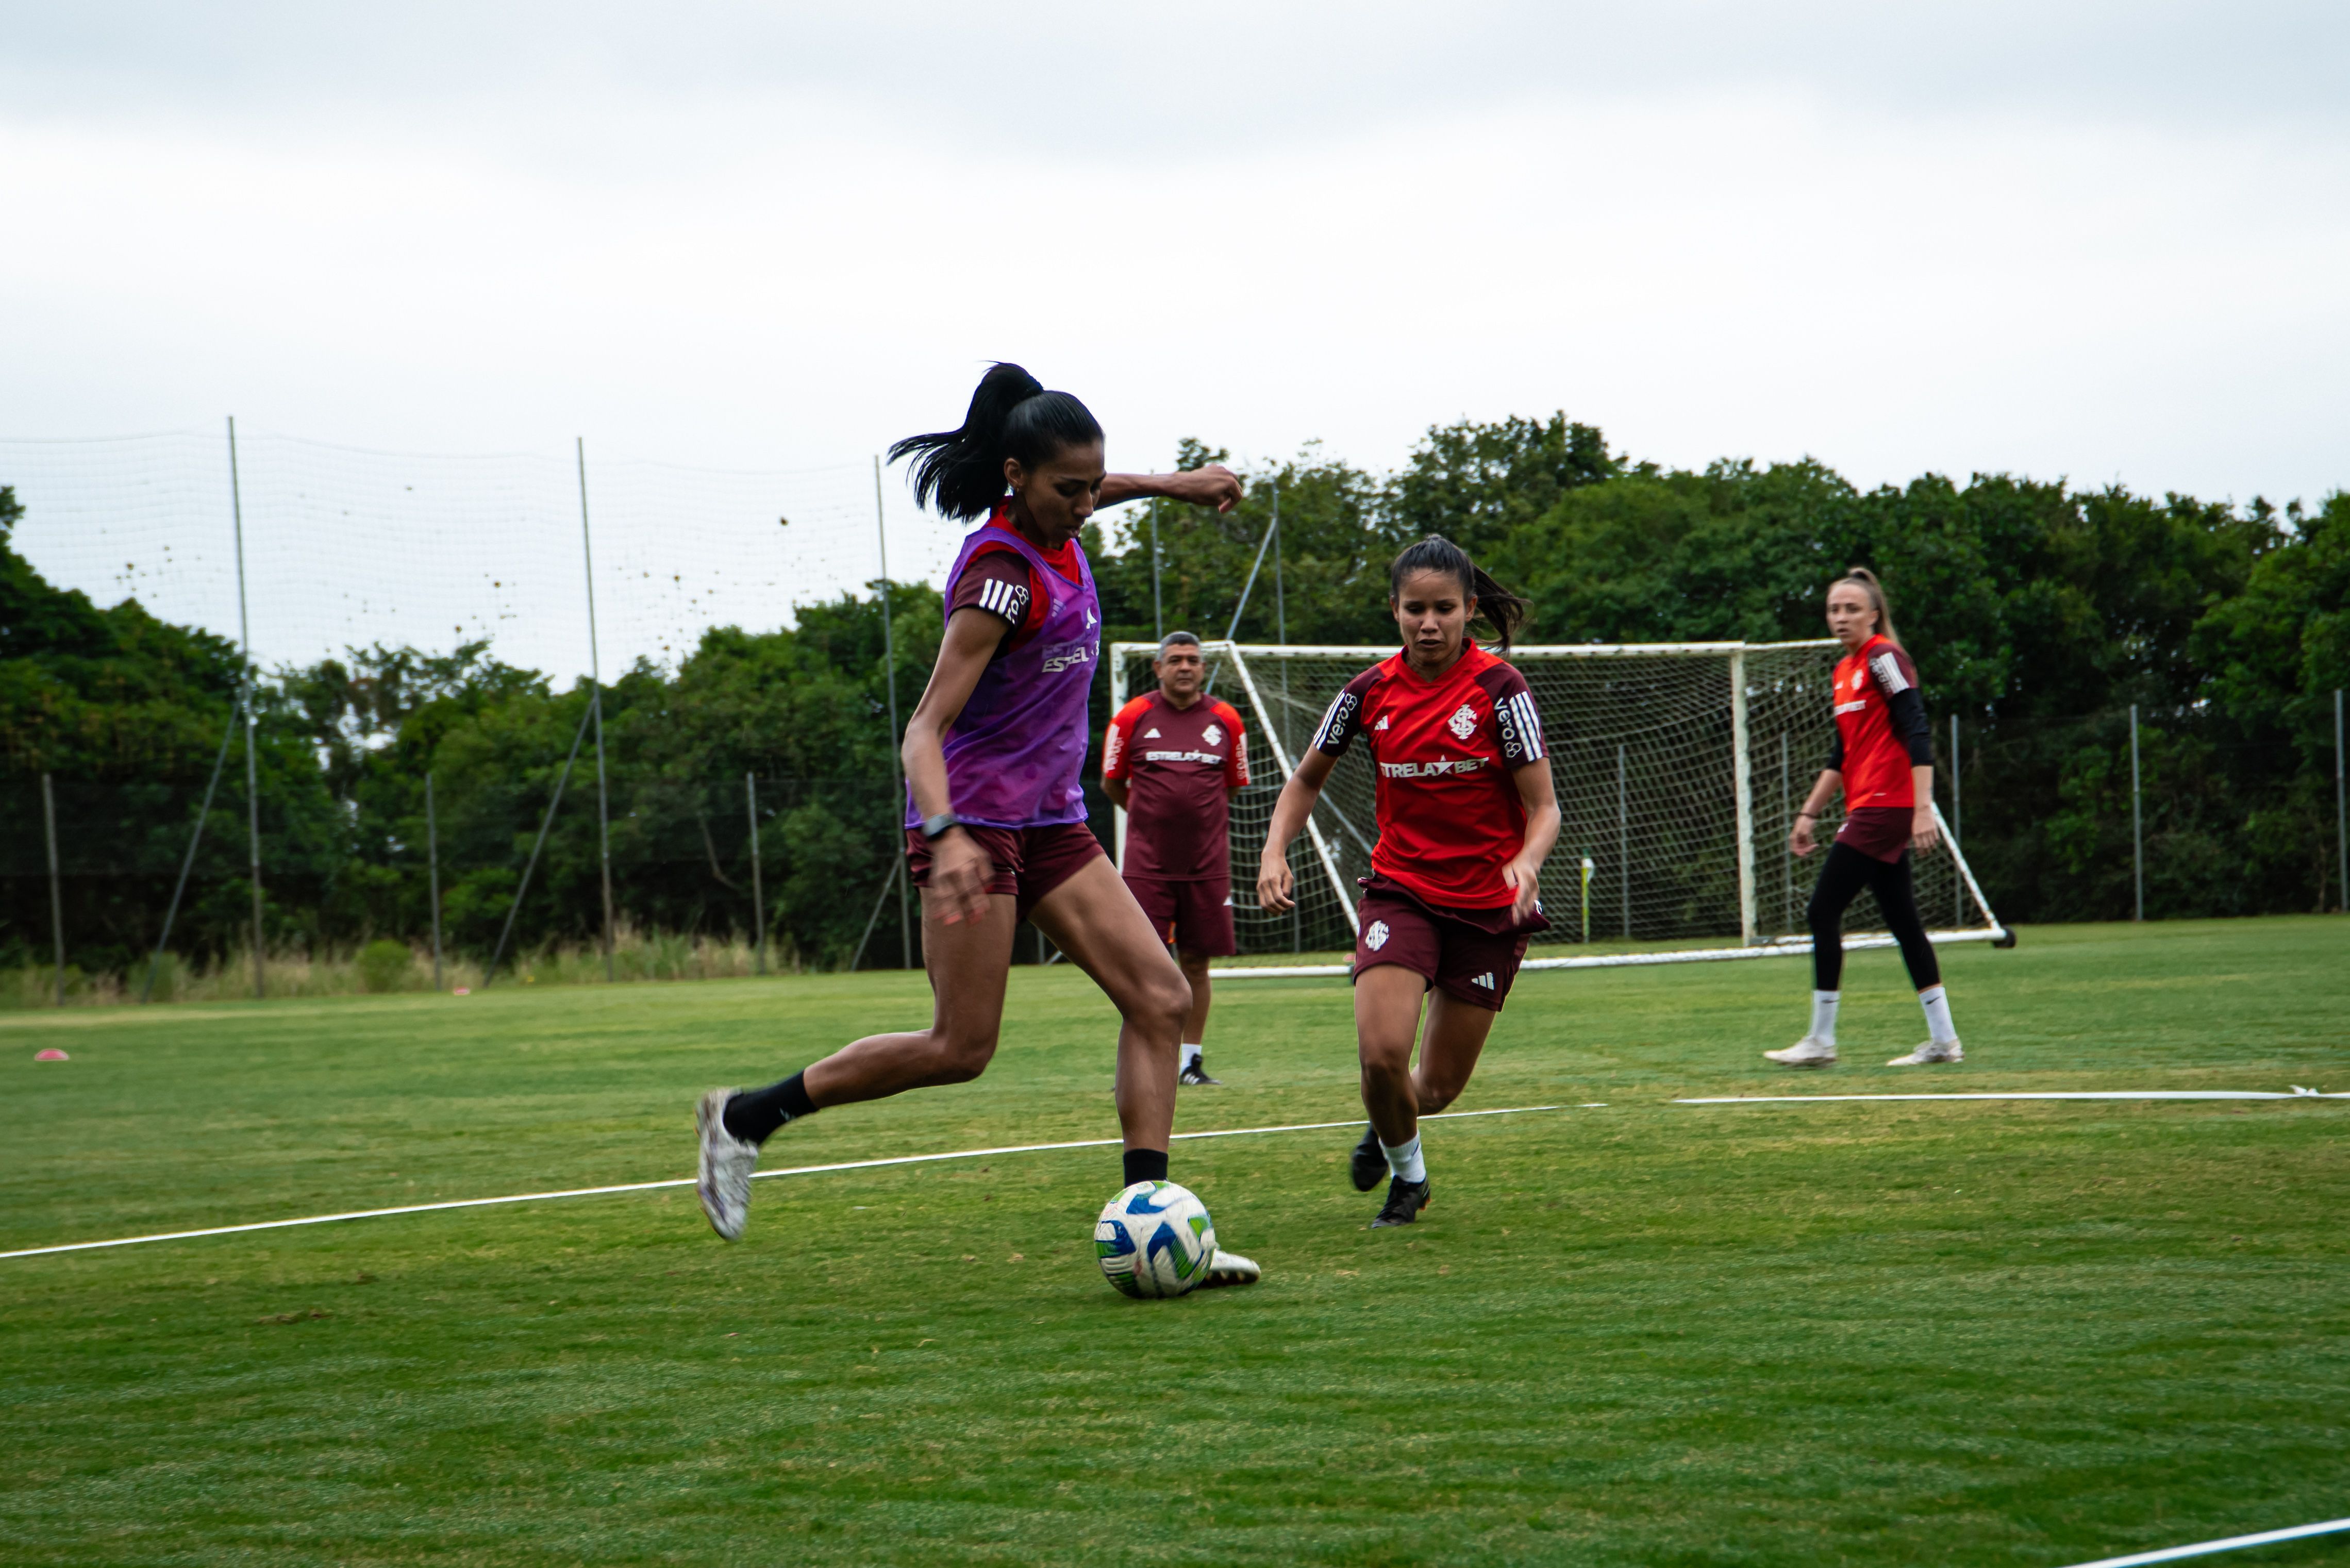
x=347, y=548
x=1644, y=756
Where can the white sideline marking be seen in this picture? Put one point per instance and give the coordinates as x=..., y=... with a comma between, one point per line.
x=688, y=1181
x=2172, y=1554
x=1790, y=948
x=2036, y=1095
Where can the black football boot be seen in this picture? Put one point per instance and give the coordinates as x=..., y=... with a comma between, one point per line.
x=1405, y=1200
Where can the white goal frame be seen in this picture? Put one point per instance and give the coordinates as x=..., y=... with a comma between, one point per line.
x=1734, y=655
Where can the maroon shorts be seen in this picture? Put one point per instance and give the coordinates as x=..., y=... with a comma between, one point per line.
x=1882, y=831
x=1030, y=862
x=1197, y=916
x=1472, y=955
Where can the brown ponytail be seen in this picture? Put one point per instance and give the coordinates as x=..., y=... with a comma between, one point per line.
x=1867, y=582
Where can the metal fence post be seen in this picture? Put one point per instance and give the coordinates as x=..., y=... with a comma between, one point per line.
x=56, y=893
x=433, y=870
x=596, y=708
x=252, y=724
x=896, y=741
x=2341, y=811
x=758, y=890
x=2137, y=821
x=1958, y=830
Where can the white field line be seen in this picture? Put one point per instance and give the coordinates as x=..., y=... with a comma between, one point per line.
x=1798, y=948
x=2172, y=1554
x=2039, y=1095
x=688, y=1181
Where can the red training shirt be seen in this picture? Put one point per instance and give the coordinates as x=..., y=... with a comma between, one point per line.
x=1180, y=766
x=1450, y=818
x=1000, y=581
x=1881, y=727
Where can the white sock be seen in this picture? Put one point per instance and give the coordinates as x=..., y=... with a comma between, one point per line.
x=1192, y=1049
x=1403, y=1159
x=1938, y=1015
x=1824, y=1011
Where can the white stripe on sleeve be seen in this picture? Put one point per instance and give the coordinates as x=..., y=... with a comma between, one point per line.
x=1888, y=670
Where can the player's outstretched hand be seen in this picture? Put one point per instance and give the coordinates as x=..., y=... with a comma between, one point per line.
x=1799, y=838
x=960, y=871
x=1211, y=485
x=1274, y=883
x=1924, y=835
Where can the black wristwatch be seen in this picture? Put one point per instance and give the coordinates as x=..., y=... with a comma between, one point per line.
x=946, y=820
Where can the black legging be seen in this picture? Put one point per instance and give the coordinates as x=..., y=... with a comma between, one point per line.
x=1841, y=879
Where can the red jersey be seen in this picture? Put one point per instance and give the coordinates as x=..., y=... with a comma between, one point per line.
x=1881, y=727
x=1449, y=814
x=1180, y=766
x=999, y=580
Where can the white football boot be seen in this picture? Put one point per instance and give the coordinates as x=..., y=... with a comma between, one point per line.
x=1808, y=1051
x=1931, y=1051
x=1228, y=1269
x=723, y=1184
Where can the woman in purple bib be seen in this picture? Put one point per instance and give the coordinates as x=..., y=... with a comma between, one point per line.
x=995, y=812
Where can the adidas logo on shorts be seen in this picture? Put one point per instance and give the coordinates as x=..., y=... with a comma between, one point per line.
x=1485, y=980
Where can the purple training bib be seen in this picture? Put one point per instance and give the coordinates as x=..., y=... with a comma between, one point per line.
x=1016, y=754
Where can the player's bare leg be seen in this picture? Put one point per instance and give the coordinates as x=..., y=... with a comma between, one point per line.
x=1386, y=1025
x=1195, y=1024
x=1450, y=1041
x=967, y=963
x=1096, y=922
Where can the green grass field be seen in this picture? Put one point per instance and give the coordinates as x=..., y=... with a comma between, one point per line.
x=1969, y=1332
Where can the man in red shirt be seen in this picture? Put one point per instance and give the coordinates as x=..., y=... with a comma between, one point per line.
x=1172, y=760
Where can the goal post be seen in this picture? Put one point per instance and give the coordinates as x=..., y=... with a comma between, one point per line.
x=1679, y=769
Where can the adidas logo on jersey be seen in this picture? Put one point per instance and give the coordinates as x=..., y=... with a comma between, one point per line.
x=1485, y=980
x=1375, y=937
x=1151, y=733
x=1463, y=724
x=1382, y=724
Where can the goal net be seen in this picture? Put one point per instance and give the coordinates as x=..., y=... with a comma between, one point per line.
x=1678, y=767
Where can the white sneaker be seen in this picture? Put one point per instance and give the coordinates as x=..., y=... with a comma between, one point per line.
x=1807, y=1052
x=1228, y=1269
x=1931, y=1051
x=727, y=1161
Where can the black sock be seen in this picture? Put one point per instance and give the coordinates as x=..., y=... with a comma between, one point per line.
x=754, y=1114
x=1145, y=1165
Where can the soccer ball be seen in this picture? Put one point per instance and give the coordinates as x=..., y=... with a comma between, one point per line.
x=1155, y=1239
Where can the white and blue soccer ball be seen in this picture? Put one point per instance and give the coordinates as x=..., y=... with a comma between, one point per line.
x=1155, y=1239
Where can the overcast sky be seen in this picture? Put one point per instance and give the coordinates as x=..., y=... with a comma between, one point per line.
x=2107, y=242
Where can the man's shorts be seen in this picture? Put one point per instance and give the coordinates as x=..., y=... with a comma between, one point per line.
x=1472, y=955
x=1197, y=916
x=1030, y=862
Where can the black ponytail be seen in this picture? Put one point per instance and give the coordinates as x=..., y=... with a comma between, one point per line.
x=1496, y=605
x=960, y=472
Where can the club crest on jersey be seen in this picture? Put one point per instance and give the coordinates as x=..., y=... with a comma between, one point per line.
x=1213, y=734
x=1464, y=723
x=1375, y=936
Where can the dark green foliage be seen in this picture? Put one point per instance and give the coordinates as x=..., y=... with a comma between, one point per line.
x=383, y=964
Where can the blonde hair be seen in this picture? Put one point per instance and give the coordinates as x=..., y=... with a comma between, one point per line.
x=1866, y=581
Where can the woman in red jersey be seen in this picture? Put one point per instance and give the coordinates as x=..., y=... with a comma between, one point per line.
x=1883, y=761
x=1466, y=817
x=995, y=812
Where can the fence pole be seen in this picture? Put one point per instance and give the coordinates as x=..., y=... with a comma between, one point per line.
x=1623, y=844
x=1958, y=830
x=56, y=893
x=1158, y=608
x=596, y=708
x=2341, y=810
x=2138, y=822
x=758, y=891
x=1786, y=826
x=1255, y=566
x=896, y=754
x=252, y=763
x=188, y=863
x=432, y=868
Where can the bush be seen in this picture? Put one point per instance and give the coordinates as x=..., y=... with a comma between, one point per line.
x=383, y=964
